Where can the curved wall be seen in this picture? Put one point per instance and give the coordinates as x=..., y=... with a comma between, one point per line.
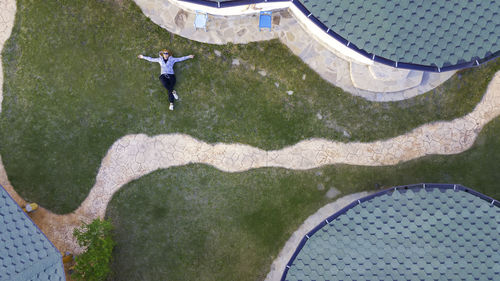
x=360, y=53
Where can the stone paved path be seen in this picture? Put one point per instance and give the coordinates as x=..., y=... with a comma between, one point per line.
x=133, y=156
x=7, y=15
x=334, y=67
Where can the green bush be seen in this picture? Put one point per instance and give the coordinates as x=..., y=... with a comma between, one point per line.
x=94, y=263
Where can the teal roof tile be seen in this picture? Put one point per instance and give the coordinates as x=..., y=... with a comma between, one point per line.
x=438, y=235
x=474, y=24
x=25, y=252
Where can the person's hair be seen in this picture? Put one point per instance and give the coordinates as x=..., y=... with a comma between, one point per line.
x=165, y=51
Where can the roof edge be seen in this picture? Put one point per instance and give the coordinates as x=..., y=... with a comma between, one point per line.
x=403, y=65
x=36, y=226
x=380, y=193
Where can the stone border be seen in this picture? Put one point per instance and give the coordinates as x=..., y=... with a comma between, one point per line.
x=333, y=63
x=7, y=16
x=291, y=245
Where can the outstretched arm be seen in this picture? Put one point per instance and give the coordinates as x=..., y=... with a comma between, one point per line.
x=149, y=58
x=181, y=58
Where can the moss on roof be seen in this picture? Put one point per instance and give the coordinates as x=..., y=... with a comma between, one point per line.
x=434, y=32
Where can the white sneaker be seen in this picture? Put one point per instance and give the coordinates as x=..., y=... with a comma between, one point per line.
x=171, y=107
x=175, y=94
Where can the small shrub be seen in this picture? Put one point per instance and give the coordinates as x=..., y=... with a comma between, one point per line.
x=94, y=263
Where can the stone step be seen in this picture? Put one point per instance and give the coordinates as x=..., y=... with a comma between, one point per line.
x=375, y=83
x=381, y=78
x=386, y=73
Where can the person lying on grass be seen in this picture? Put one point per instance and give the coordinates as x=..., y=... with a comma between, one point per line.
x=167, y=76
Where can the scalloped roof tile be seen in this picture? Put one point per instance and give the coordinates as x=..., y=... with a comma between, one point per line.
x=465, y=30
x=25, y=252
x=431, y=241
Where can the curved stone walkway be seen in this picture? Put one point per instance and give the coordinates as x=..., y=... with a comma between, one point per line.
x=375, y=82
x=134, y=156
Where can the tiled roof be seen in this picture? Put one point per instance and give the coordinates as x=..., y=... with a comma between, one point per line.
x=25, y=252
x=430, y=32
x=414, y=234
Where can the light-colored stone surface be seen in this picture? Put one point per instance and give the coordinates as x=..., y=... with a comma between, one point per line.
x=384, y=79
x=312, y=221
x=7, y=15
x=334, y=67
x=387, y=73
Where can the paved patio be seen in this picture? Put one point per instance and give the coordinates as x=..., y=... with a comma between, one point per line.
x=375, y=83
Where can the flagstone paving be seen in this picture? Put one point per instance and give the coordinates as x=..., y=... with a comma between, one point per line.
x=340, y=70
x=133, y=156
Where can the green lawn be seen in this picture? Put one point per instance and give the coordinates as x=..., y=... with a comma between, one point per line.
x=73, y=86
x=197, y=223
